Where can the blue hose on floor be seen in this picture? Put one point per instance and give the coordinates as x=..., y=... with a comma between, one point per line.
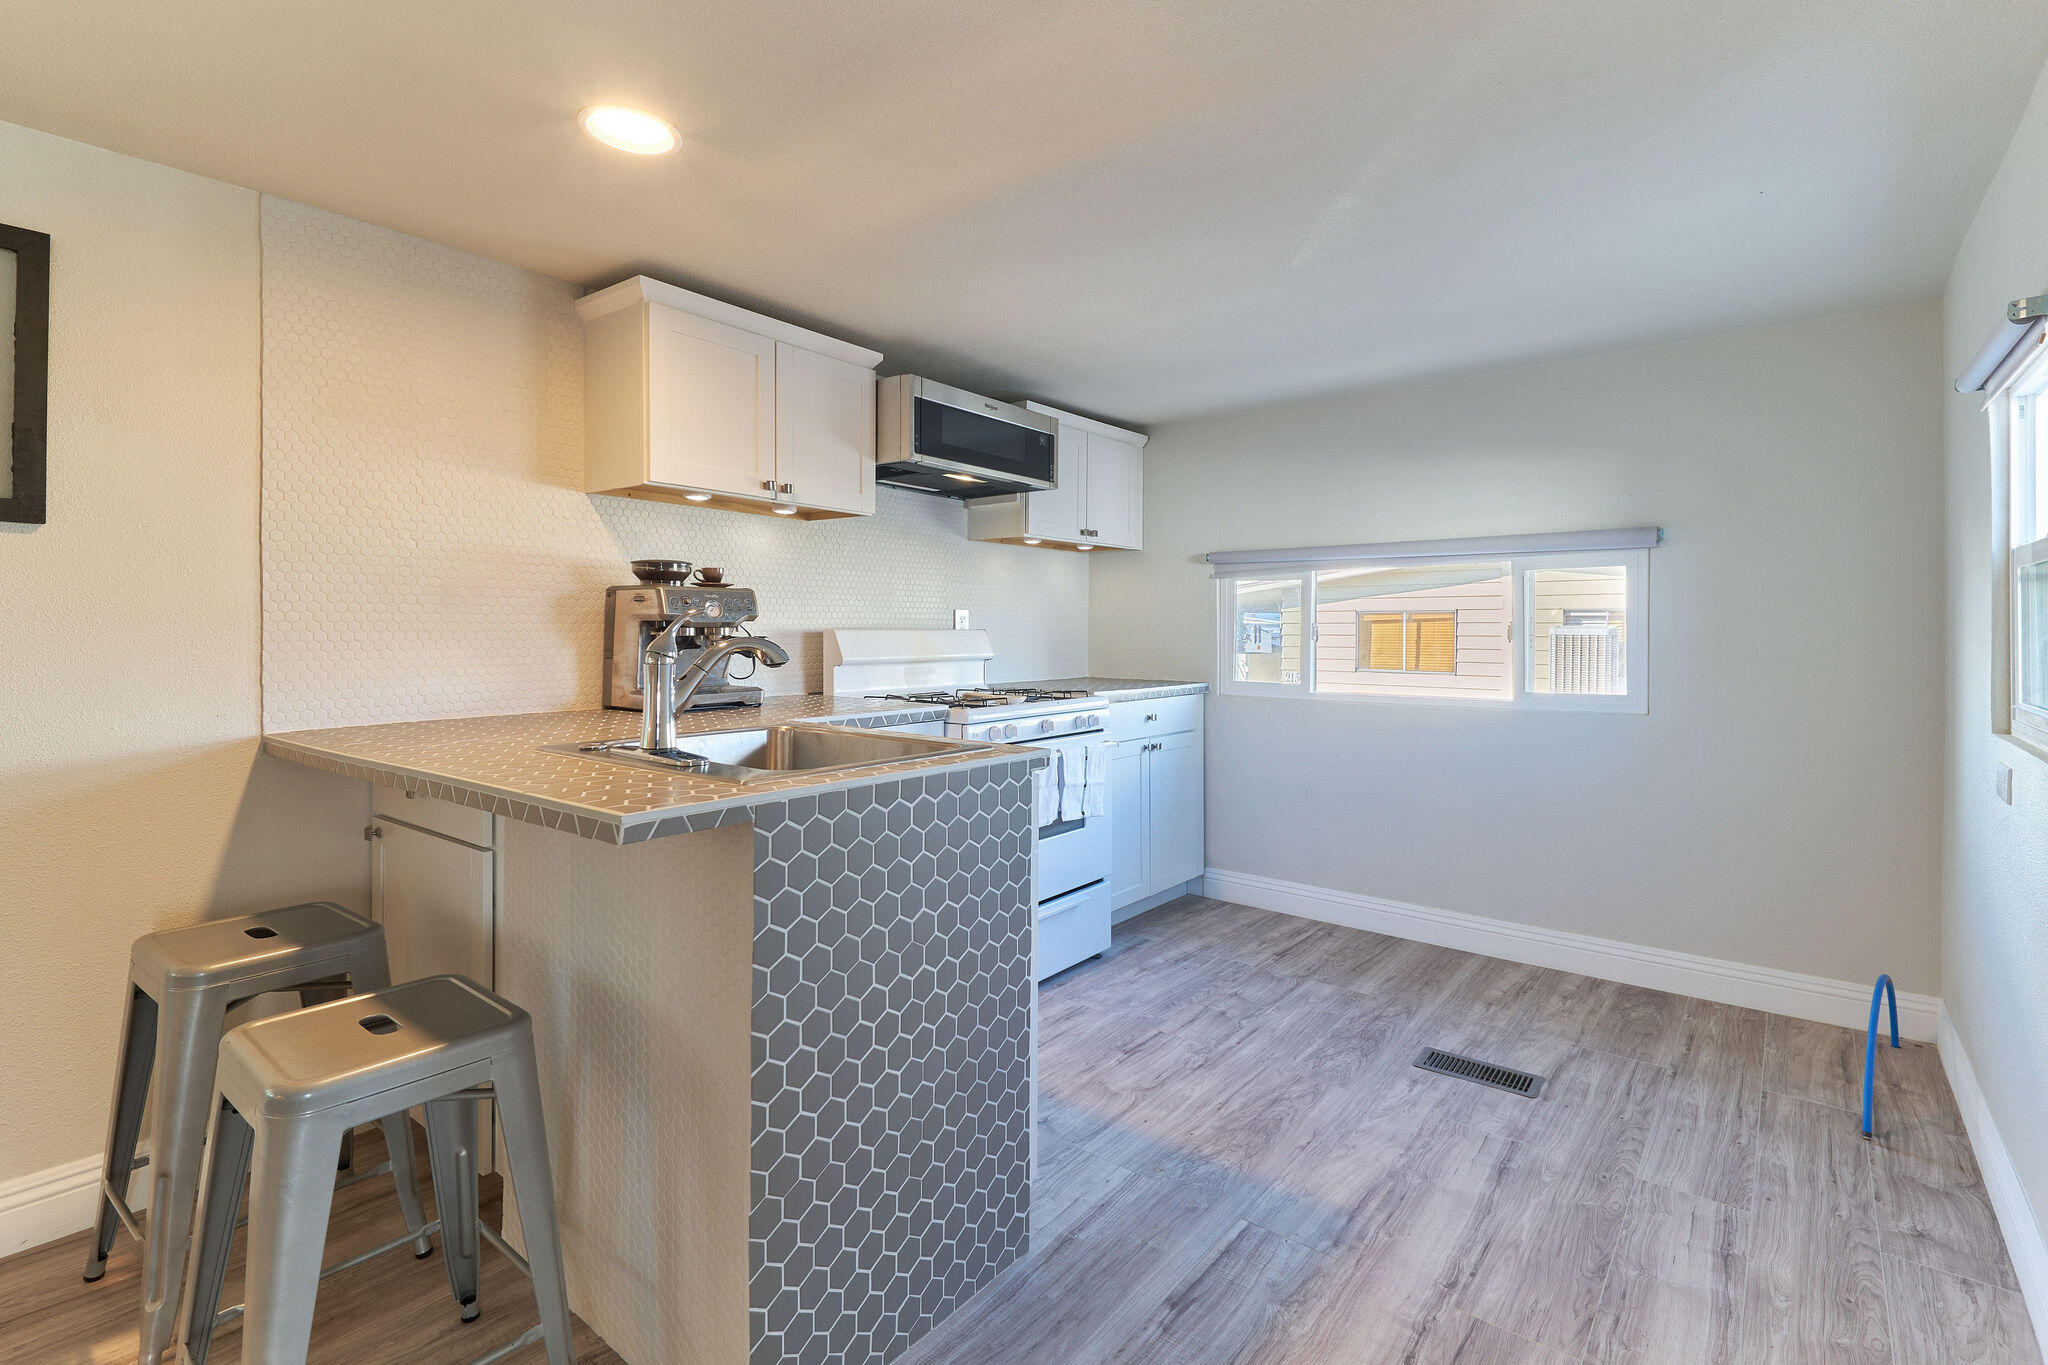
x=1887, y=993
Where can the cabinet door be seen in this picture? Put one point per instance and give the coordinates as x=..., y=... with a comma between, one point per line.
x=1056, y=513
x=824, y=430
x=436, y=901
x=1115, y=484
x=1173, y=812
x=710, y=405
x=1127, y=881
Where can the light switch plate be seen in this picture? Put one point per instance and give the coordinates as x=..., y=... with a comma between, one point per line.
x=2002, y=784
x=960, y=618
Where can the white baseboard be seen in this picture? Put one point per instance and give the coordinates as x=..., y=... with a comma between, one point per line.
x=1819, y=998
x=1153, y=902
x=2024, y=1239
x=45, y=1205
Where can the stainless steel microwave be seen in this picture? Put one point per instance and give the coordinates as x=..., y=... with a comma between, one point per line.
x=938, y=439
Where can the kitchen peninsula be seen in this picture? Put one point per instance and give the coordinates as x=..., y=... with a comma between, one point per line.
x=784, y=1026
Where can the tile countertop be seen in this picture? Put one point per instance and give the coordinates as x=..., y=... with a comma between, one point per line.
x=497, y=763
x=1118, y=689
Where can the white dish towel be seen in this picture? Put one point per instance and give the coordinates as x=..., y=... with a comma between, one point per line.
x=1095, y=800
x=1045, y=792
x=1073, y=783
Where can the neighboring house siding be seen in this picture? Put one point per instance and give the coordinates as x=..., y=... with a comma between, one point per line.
x=1482, y=669
x=1557, y=589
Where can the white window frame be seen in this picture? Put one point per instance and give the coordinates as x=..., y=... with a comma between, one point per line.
x=2015, y=414
x=1636, y=701
x=1635, y=618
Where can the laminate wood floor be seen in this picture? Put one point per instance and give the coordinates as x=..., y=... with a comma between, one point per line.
x=1238, y=1163
x=394, y=1309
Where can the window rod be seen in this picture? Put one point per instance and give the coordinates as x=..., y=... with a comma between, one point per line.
x=1232, y=563
x=2019, y=331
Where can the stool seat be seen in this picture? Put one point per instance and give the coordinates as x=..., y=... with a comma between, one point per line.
x=346, y=1050
x=294, y=938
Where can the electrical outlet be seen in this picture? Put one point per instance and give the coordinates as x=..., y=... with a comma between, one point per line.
x=960, y=618
x=2001, y=783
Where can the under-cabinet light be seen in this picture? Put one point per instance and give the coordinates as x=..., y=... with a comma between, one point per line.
x=696, y=497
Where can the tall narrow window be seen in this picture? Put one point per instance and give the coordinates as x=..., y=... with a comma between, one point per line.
x=2027, y=558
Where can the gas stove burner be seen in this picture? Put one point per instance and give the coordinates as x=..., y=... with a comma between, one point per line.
x=980, y=698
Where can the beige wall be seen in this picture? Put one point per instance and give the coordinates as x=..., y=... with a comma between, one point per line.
x=1995, y=925
x=428, y=546
x=1785, y=815
x=131, y=793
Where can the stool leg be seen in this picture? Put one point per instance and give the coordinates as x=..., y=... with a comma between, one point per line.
x=451, y=1147
x=517, y=1082
x=406, y=1176
x=220, y=1200
x=187, y=1049
x=131, y=1092
x=319, y=993
x=290, y=1198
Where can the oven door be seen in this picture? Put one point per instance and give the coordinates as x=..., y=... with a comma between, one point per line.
x=1071, y=853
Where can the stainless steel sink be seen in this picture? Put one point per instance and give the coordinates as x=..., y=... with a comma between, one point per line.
x=743, y=756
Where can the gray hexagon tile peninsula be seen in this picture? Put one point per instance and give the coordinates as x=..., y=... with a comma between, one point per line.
x=891, y=1050
x=783, y=1032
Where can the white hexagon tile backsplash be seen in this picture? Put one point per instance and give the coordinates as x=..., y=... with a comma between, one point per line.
x=428, y=550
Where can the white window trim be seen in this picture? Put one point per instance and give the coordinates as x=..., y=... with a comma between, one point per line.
x=2026, y=726
x=1635, y=702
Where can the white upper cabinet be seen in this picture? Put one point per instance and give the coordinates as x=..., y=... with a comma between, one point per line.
x=690, y=399
x=710, y=404
x=1098, y=504
x=1116, y=484
x=825, y=429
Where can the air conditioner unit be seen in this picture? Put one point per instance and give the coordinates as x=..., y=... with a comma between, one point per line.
x=1588, y=659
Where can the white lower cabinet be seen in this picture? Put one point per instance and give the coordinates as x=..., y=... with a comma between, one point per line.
x=1155, y=801
x=436, y=897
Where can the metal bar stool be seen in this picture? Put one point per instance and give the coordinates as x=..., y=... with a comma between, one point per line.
x=290, y=1086
x=181, y=985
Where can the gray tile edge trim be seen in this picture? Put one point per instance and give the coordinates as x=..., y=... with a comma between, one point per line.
x=604, y=826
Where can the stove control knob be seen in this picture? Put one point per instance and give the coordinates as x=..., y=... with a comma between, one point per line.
x=1009, y=732
x=1088, y=723
x=1047, y=726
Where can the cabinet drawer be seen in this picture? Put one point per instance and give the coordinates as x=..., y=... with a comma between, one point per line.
x=1072, y=928
x=445, y=818
x=1159, y=716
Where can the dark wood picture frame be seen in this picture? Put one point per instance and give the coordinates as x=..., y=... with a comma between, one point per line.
x=29, y=447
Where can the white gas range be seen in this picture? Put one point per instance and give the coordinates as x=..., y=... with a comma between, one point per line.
x=946, y=668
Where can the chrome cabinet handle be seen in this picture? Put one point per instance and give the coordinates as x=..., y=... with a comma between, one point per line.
x=1149, y=719
x=768, y=485
x=789, y=488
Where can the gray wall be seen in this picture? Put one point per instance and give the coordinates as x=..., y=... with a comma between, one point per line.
x=1995, y=923
x=1780, y=805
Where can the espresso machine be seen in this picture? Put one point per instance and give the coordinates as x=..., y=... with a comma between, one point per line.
x=638, y=612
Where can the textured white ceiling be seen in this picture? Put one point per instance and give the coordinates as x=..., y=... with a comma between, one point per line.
x=1141, y=209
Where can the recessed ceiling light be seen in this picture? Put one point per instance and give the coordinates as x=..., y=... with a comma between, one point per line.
x=785, y=511
x=1031, y=540
x=1084, y=547
x=629, y=130
x=696, y=497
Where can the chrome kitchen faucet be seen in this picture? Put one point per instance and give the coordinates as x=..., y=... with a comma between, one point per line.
x=665, y=693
